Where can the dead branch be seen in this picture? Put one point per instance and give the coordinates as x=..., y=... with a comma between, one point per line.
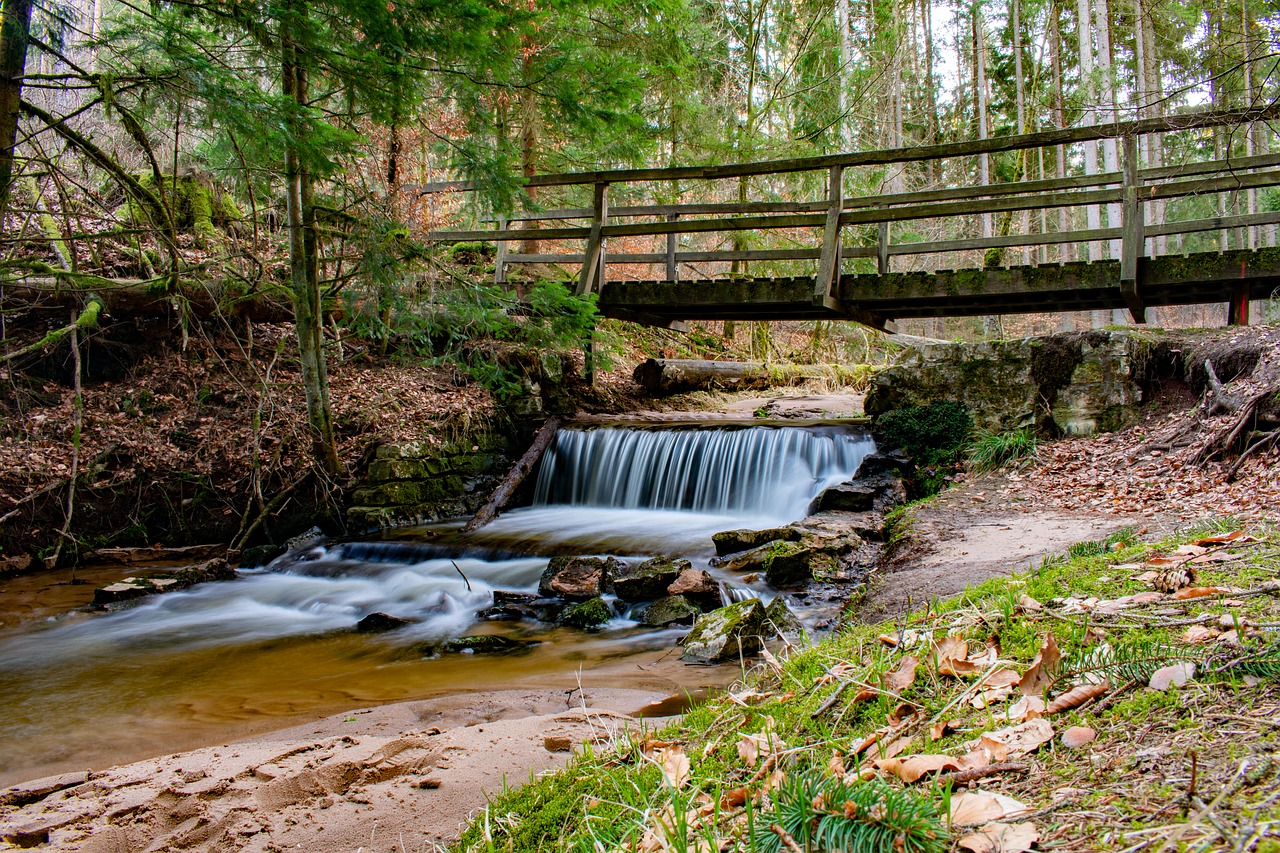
x=1222, y=401
x=1259, y=445
x=964, y=777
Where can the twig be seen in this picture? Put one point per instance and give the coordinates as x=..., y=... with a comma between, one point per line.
x=1114, y=695
x=1269, y=438
x=964, y=777
x=464, y=577
x=787, y=840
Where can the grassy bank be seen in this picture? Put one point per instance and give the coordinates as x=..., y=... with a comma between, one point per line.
x=961, y=724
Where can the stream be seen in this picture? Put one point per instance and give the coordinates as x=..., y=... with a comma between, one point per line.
x=223, y=661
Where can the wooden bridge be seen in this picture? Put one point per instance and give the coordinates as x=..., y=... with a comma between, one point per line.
x=1148, y=253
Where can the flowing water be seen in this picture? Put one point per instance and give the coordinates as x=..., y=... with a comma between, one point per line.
x=226, y=660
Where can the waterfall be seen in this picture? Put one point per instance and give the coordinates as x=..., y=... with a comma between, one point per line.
x=747, y=471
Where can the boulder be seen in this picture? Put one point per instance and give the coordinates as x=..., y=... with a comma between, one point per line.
x=779, y=618
x=514, y=606
x=587, y=615
x=847, y=497
x=577, y=578
x=140, y=587
x=747, y=561
x=788, y=564
x=672, y=610
x=699, y=586
x=649, y=580
x=726, y=633
x=1072, y=382
x=882, y=463
x=260, y=555
x=378, y=623
x=735, y=541
x=486, y=644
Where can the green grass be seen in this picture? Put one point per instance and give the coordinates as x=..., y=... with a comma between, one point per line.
x=608, y=800
x=989, y=450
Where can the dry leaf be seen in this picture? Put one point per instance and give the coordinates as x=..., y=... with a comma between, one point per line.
x=903, y=676
x=1020, y=739
x=869, y=741
x=751, y=747
x=839, y=672
x=1191, y=550
x=1198, y=592
x=1176, y=675
x=990, y=697
x=1077, y=696
x=1044, y=668
x=1226, y=538
x=1028, y=604
x=897, y=747
x=1077, y=736
x=1199, y=634
x=942, y=729
x=1026, y=708
x=675, y=765
x=734, y=799
x=970, y=808
x=911, y=768
x=1001, y=838
x=890, y=640
x=1216, y=557
x=950, y=656
x=1003, y=677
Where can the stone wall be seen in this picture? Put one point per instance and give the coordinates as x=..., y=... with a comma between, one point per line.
x=1075, y=382
x=420, y=481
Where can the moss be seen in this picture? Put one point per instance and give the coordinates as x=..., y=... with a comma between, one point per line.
x=588, y=615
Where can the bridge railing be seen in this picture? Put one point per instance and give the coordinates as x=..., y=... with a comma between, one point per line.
x=1128, y=195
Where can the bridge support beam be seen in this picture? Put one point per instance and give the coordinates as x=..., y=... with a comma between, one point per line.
x=829, y=259
x=592, y=274
x=1238, y=307
x=1132, y=233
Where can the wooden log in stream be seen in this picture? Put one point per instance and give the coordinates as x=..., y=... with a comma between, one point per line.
x=661, y=376
x=501, y=495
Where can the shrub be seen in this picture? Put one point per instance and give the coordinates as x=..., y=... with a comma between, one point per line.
x=990, y=450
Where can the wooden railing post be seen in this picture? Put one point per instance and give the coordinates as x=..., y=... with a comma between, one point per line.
x=1132, y=233
x=593, y=258
x=882, y=249
x=500, y=264
x=829, y=259
x=673, y=269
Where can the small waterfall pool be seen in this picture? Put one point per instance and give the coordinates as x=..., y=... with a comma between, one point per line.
x=225, y=660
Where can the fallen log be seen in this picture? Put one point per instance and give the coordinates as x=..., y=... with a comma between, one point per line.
x=501, y=495
x=662, y=376
x=141, y=297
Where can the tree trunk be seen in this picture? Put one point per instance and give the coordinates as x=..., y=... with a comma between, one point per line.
x=304, y=267
x=15, y=32
x=529, y=137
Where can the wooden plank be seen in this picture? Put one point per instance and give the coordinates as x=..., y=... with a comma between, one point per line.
x=1044, y=239
x=1230, y=164
x=1179, y=189
x=698, y=257
x=502, y=495
x=1214, y=223
x=882, y=248
x=829, y=259
x=589, y=275
x=1132, y=241
x=507, y=234
x=1063, y=136
x=673, y=269
x=500, y=263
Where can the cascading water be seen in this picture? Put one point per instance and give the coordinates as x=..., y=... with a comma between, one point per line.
x=191, y=662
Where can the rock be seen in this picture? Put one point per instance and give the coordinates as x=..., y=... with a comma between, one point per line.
x=259, y=555
x=502, y=598
x=486, y=644
x=577, y=578
x=1073, y=382
x=306, y=539
x=134, y=588
x=726, y=633
x=735, y=541
x=882, y=463
x=587, y=615
x=847, y=497
x=377, y=623
x=649, y=580
x=788, y=564
x=16, y=564
x=747, y=561
x=779, y=618
x=554, y=743
x=517, y=606
x=699, y=586
x=672, y=610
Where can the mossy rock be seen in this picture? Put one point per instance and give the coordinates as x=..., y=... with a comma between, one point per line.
x=649, y=580
x=735, y=541
x=577, y=578
x=486, y=644
x=672, y=610
x=589, y=615
x=779, y=618
x=726, y=634
x=788, y=564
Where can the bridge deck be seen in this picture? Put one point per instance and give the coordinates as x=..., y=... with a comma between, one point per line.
x=1172, y=280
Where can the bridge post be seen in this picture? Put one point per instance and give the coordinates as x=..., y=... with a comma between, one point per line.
x=500, y=264
x=1132, y=233
x=829, y=259
x=882, y=249
x=593, y=258
x=673, y=269
x=1238, y=307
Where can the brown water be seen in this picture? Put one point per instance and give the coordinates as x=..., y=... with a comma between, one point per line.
x=224, y=661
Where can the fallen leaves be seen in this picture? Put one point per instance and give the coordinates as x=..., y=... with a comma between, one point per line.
x=950, y=656
x=1174, y=675
x=978, y=807
x=674, y=764
x=1001, y=838
x=1077, y=696
x=1044, y=668
x=1017, y=740
x=903, y=676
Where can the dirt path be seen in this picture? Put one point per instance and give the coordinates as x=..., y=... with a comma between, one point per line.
x=973, y=532
x=400, y=778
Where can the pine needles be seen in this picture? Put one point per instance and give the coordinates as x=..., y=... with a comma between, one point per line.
x=823, y=813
